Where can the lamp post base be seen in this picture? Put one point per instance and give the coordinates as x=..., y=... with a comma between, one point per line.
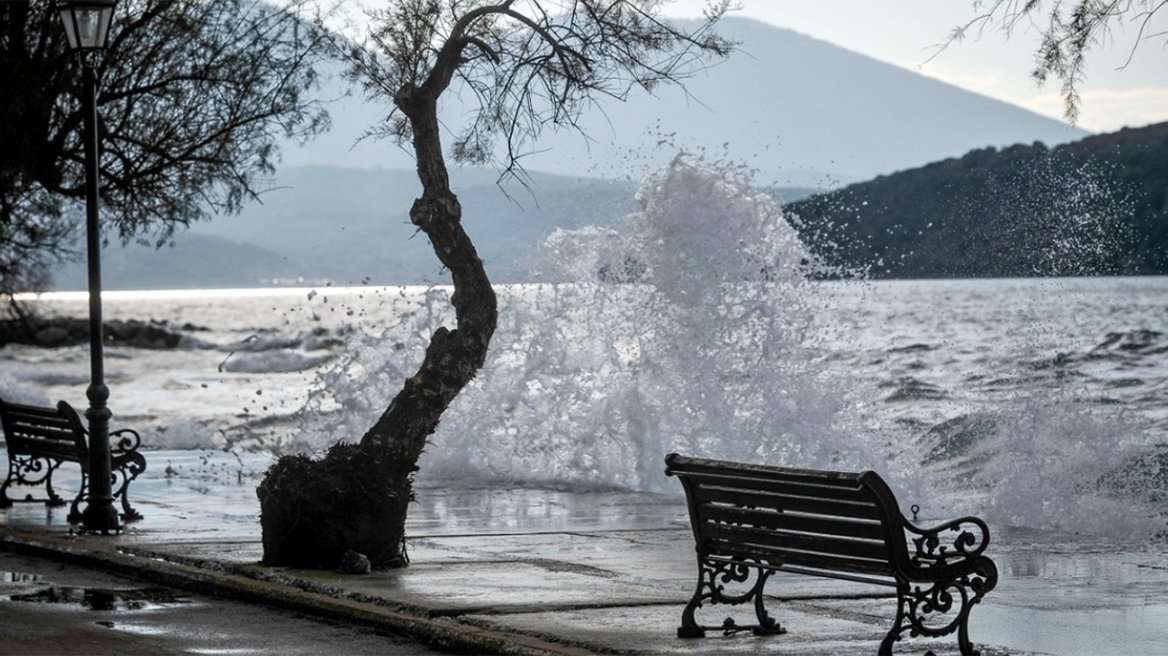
x=100, y=517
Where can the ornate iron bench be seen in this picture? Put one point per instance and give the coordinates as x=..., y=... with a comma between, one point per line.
x=834, y=524
x=40, y=439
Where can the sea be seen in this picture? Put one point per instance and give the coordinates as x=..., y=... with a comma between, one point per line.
x=693, y=327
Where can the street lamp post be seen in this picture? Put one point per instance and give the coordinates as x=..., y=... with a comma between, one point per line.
x=87, y=24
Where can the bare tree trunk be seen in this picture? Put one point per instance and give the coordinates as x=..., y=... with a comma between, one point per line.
x=357, y=497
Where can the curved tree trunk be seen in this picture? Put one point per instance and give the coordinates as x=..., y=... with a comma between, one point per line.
x=357, y=497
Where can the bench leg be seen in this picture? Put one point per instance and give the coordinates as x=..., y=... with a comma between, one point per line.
x=31, y=470
x=54, y=499
x=713, y=576
x=120, y=483
x=122, y=479
x=75, y=515
x=940, y=608
x=5, y=502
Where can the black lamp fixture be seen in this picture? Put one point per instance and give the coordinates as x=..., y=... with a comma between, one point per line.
x=87, y=23
x=87, y=26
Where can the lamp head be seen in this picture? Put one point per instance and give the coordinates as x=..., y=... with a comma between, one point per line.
x=87, y=23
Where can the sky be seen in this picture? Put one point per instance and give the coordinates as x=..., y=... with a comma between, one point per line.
x=907, y=32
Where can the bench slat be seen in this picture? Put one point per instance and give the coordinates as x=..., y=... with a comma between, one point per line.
x=793, y=521
x=839, y=490
x=779, y=557
x=52, y=432
x=22, y=419
x=858, y=509
x=16, y=410
x=794, y=543
x=682, y=465
x=32, y=420
x=33, y=446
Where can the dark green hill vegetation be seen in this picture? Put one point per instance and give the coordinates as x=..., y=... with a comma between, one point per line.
x=1098, y=206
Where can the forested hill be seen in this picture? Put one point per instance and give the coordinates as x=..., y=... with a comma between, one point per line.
x=1098, y=206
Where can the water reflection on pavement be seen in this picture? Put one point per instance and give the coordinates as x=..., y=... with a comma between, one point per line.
x=51, y=608
x=595, y=566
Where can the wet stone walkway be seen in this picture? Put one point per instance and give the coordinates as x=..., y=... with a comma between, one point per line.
x=554, y=572
x=50, y=607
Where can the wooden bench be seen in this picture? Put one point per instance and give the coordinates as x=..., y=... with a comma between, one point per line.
x=40, y=439
x=840, y=525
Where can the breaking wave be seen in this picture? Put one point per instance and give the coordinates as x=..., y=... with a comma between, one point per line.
x=693, y=326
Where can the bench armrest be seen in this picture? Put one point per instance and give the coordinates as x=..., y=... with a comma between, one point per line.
x=933, y=550
x=124, y=441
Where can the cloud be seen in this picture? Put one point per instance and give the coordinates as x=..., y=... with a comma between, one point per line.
x=1103, y=109
x=1107, y=110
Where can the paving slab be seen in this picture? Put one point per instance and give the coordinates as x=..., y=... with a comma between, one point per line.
x=549, y=571
x=811, y=631
x=56, y=609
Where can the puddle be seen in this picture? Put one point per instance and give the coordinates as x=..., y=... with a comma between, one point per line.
x=103, y=600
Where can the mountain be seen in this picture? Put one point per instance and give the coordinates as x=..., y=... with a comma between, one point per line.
x=807, y=115
x=1093, y=207
x=351, y=226
x=193, y=261
x=802, y=111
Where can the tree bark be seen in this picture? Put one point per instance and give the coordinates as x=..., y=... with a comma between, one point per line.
x=357, y=497
x=454, y=356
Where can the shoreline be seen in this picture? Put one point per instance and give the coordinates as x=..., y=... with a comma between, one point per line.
x=60, y=331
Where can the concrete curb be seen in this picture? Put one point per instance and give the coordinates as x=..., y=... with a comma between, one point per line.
x=257, y=587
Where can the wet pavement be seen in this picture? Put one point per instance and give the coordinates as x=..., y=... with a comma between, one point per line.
x=539, y=571
x=51, y=607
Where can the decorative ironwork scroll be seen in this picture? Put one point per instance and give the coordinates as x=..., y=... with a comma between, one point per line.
x=126, y=465
x=27, y=469
x=939, y=608
x=713, y=578
x=973, y=536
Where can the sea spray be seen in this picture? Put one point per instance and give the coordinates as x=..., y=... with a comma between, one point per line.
x=345, y=400
x=12, y=391
x=1058, y=465
x=692, y=326
x=688, y=326
x=1043, y=433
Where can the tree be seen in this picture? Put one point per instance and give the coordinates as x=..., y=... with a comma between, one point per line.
x=1068, y=30
x=531, y=65
x=193, y=99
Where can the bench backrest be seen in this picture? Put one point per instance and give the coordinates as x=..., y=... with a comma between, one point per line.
x=840, y=524
x=33, y=430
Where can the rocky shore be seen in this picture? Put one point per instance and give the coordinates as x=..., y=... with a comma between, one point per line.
x=69, y=331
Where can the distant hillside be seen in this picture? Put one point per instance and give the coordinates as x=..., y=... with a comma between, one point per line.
x=1094, y=207
x=351, y=226
x=800, y=110
x=193, y=262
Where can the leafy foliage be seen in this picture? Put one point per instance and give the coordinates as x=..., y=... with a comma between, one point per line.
x=1068, y=30
x=193, y=97
x=529, y=65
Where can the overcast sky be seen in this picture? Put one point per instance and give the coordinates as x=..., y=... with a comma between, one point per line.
x=906, y=33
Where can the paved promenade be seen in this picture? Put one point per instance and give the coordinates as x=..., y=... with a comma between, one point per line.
x=556, y=572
